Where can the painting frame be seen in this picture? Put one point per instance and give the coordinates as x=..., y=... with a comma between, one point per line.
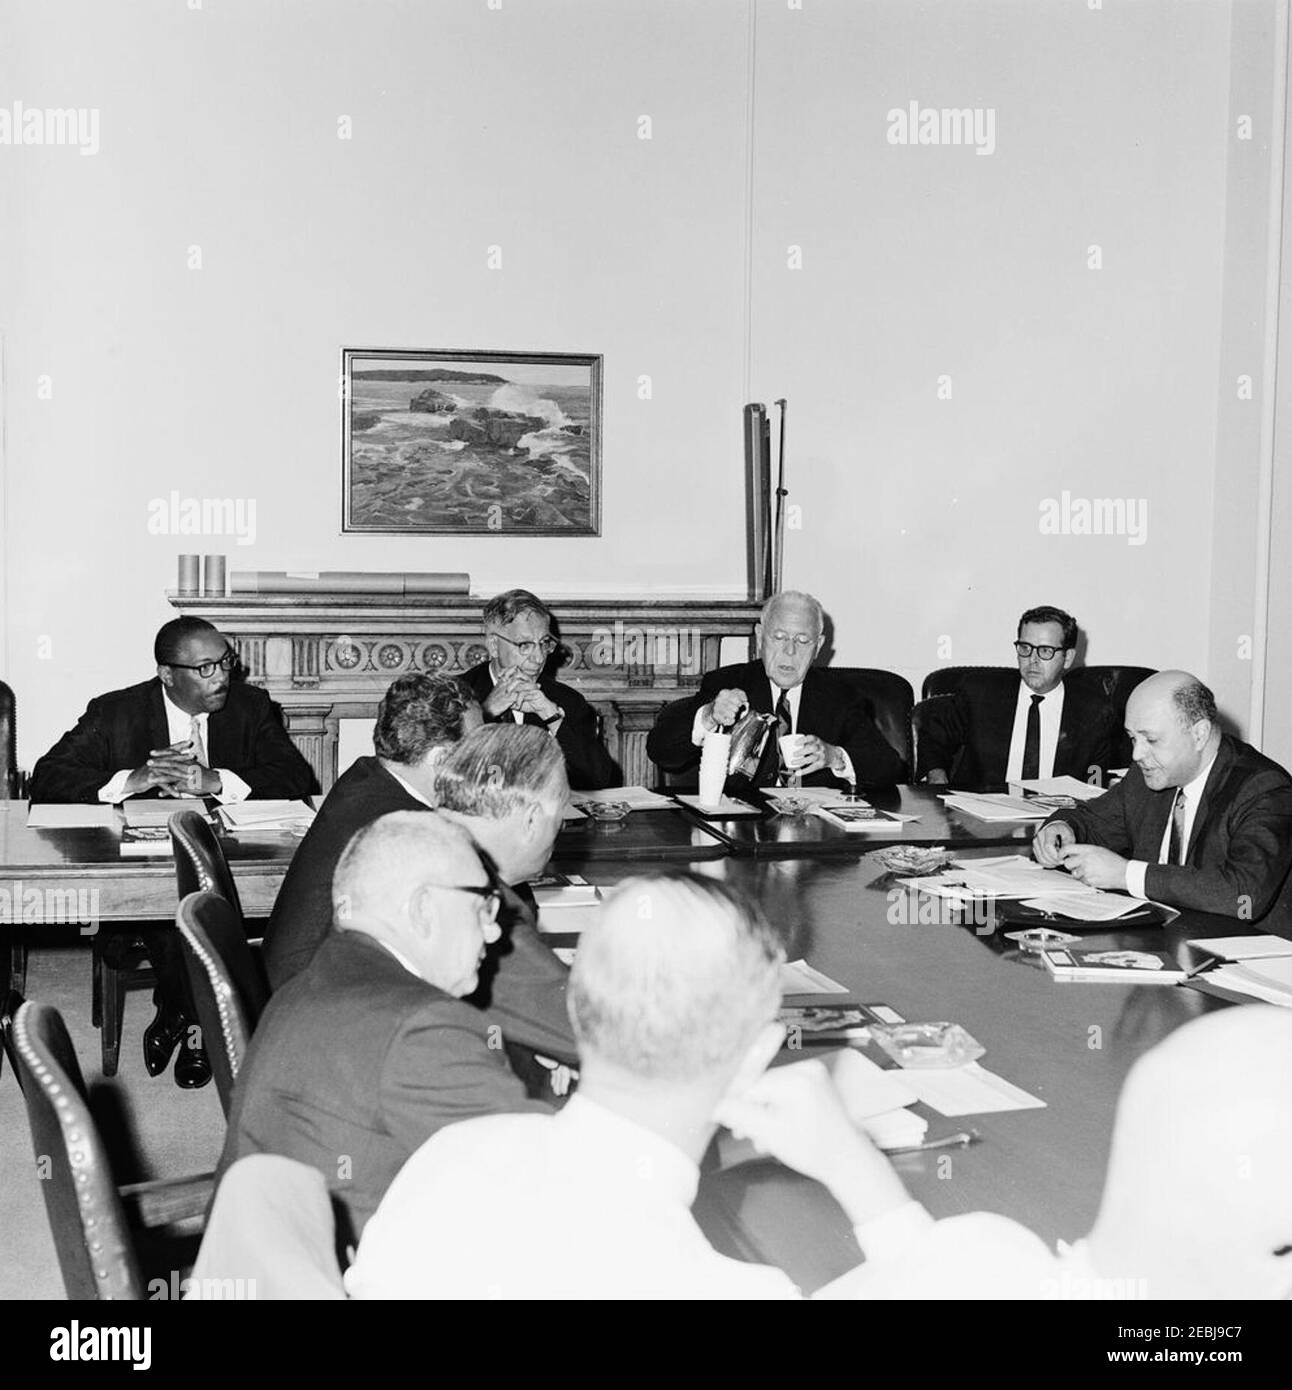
x=482, y=453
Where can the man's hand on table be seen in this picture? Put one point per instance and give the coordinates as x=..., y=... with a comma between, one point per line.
x=795, y=1114
x=1094, y=866
x=1049, y=843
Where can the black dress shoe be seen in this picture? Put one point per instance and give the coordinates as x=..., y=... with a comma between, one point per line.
x=161, y=1038
x=192, y=1066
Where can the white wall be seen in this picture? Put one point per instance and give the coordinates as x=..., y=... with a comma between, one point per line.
x=519, y=127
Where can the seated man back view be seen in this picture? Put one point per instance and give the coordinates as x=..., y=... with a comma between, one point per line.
x=1052, y=728
x=419, y=717
x=362, y=1056
x=673, y=997
x=841, y=745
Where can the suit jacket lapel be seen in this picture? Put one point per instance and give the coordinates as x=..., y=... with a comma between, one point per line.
x=158, y=725
x=1206, y=802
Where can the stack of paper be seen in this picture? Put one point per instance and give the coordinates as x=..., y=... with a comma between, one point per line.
x=1269, y=980
x=1060, y=786
x=876, y=1100
x=73, y=815
x=995, y=806
x=1243, y=947
x=565, y=908
x=159, y=810
x=254, y=816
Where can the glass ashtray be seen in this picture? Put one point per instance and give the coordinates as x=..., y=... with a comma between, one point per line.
x=913, y=859
x=607, y=811
x=927, y=1044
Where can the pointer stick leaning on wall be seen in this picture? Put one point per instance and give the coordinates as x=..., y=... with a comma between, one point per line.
x=778, y=560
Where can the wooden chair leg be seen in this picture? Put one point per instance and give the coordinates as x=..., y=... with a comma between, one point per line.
x=113, y=1000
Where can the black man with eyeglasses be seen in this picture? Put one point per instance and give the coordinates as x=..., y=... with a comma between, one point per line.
x=1052, y=728
x=516, y=684
x=840, y=745
x=192, y=730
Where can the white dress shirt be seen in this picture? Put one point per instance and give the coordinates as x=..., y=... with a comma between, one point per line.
x=1137, y=869
x=179, y=729
x=1051, y=712
x=794, y=697
x=583, y=1204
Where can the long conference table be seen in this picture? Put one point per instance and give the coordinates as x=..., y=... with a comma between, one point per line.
x=837, y=908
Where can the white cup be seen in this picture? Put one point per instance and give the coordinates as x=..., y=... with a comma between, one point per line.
x=713, y=768
x=792, y=753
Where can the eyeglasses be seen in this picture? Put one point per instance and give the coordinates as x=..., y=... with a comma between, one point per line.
x=1045, y=653
x=490, y=895
x=206, y=669
x=547, y=646
x=801, y=640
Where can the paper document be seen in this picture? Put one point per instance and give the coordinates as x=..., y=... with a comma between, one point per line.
x=57, y=815
x=994, y=806
x=567, y=921
x=1013, y=876
x=572, y=813
x=636, y=798
x=1061, y=786
x=1241, y=947
x=1094, y=906
x=266, y=815
x=798, y=977
x=159, y=810
x=967, y=1090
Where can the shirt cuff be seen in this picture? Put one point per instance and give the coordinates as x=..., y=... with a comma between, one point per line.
x=1136, y=873
x=115, y=790
x=698, y=729
x=889, y=1235
x=232, y=788
x=846, y=771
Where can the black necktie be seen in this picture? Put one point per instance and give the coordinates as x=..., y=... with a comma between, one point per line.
x=1175, y=849
x=1032, y=743
x=784, y=725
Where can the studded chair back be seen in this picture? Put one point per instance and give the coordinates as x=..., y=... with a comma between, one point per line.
x=227, y=981
x=86, y=1217
x=200, y=865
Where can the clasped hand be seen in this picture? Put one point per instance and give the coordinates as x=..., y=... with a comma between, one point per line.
x=517, y=691
x=174, y=771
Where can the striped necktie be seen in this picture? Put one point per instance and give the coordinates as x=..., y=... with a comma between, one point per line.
x=195, y=738
x=1176, y=851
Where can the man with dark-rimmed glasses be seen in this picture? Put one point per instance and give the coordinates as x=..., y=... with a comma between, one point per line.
x=1052, y=728
x=516, y=684
x=189, y=731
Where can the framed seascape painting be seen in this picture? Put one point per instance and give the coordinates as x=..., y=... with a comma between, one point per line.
x=471, y=443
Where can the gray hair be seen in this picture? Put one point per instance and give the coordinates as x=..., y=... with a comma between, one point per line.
x=389, y=858
x=812, y=603
x=1194, y=701
x=675, y=978
x=498, y=769
x=506, y=608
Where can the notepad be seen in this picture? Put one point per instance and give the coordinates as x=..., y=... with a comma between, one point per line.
x=798, y=977
x=968, y=1090
x=54, y=815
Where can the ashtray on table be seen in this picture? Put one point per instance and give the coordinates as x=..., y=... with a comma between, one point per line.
x=606, y=812
x=927, y=1044
x=913, y=859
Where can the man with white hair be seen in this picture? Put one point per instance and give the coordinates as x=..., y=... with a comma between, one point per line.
x=373, y=1046
x=673, y=997
x=841, y=745
x=1201, y=821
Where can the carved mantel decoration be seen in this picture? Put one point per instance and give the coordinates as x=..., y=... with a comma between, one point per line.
x=329, y=657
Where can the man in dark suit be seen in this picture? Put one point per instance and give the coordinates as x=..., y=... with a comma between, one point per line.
x=190, y=731
x=417, y=721
x=515, y=685
x=368, y=1051
x=1201, y=821
x=840, y=746
x=1052, y=728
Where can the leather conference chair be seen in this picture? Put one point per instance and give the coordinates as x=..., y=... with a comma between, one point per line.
x=227, y=981
x=888, y=699
x=271, y=1229
x=94, y=1223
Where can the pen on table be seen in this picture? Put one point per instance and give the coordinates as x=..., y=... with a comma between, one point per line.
x=952, y=1141
x=1201, y=969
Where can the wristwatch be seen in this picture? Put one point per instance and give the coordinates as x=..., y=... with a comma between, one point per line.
x=555, y=719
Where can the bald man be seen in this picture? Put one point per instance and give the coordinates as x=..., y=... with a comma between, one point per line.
x=1201, y=821
x=372, y=1047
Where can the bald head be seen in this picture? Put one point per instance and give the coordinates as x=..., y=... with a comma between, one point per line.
x=1198, y=1196
x=675, y=980
x=404, y=880
x=1171, y=720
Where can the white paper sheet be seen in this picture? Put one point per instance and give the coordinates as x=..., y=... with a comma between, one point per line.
x=638, y=798
x=1061, y=786
x=993, y=806
x=1087, y=907
x=967, y=1090
x=563, y=921
x=1268, y=980
x=798, y=977
x=75, y=815
x=1244, y=947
